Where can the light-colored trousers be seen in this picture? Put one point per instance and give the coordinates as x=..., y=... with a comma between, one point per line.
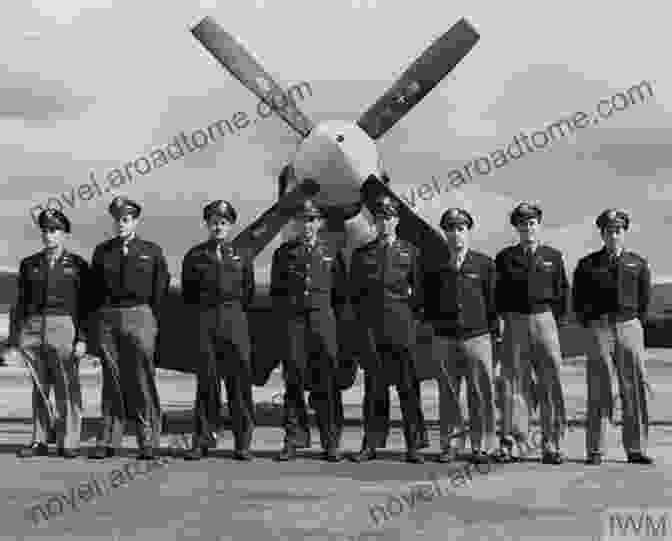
x=49, y=340
x=538, y=334
x=127, y=338
x=469, y=360
x=621, y=346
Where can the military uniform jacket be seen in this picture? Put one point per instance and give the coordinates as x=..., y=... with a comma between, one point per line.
x=531, y=285
x=460, y=303
x=386, y=289
x=621, y=287
x=208, y=281
x=305, y=278
x=140, y=277
x=63, y=289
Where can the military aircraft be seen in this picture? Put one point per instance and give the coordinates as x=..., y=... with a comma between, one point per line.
x=340, y=156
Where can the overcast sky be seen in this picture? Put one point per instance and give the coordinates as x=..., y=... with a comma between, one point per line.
x=88, y=86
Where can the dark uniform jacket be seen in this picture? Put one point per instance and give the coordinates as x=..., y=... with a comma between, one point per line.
x=118, y=280
x=208, y=282
x=61, y=290
x=386, y=290
x=305, y=279
x=460, y=303
x=531, y=286
x=621, y=288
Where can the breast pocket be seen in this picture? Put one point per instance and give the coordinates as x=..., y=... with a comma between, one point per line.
x=143, y=265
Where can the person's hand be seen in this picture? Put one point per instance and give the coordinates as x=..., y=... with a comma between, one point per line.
x=80, y=349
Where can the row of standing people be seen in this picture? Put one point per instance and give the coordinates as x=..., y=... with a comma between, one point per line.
x=468, y=299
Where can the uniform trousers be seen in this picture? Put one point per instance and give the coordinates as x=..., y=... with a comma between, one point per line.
x=223, y=352
x=49, y=341
x=396, y=366
x=126, y=338
x=537, y=333
x=469, y=360
x=383, y=413
x=619, y=345
x=312, y=355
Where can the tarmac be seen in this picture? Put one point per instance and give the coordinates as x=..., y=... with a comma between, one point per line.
x=387, y=499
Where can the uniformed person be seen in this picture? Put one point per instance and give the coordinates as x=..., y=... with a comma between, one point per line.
x=385, y=285
x=50, y=319
x=532, y=296
x=129, y=280
x=611, y=294
x=218, y=286
x=459, y=302
x=309, y=292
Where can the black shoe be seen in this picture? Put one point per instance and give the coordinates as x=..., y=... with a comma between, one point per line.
x=146, y=454
x=364, y=455
x=413, y=457
x=594, y=459
x=481, y=457
x=196, y=453
x=504, y=455
x=67, y=453
x=446, y=456
x=244, y=455
x=639, y=458
x=101, y=453
x=552, y=457
x=423, y=441
x=34, y=449
x=288, y=453
x=333, y=455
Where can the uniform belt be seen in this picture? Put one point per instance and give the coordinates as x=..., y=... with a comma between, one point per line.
x=125, y=307
x=532, y=308
x=615, y=317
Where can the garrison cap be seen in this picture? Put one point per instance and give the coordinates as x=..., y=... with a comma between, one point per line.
x=525, y=211
x=309, y=209
x=613, y=217
x=52, y=218
x=384, y=205
x=220, y=208
x=454, y=216
x=122, y=205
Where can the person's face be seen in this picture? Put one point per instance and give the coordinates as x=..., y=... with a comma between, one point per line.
x=528, y=230
x=386, y=224
x=310, y=226
x=613, y=237
x=218, y=227
x=126, y=225
x=457, y=236
x=52, y=238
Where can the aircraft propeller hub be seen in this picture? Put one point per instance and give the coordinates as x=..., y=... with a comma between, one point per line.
x=340, y=156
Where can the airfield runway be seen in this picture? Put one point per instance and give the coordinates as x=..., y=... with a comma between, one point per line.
x=219, y=499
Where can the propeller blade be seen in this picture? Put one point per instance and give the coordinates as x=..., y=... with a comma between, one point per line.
x=437, y=61
x=256, y=236
x=411, y=227
x=244, y=67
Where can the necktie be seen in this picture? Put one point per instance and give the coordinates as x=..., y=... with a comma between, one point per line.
x=220, y=252
x=124, y=247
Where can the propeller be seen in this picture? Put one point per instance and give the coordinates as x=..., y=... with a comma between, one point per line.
x=437, y=61
x=231, y=54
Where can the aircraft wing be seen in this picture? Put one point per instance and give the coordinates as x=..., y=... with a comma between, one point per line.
x=437, y=61
x=231, y=54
